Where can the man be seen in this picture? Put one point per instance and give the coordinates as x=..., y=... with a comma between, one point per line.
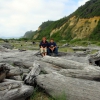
x=52, y=47
x=43, y=46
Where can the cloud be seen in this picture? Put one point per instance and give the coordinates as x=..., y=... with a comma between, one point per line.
x=82, y=2
x=19, y=16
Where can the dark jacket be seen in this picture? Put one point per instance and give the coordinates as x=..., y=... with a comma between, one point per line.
x=43, y=44
x=52, y=44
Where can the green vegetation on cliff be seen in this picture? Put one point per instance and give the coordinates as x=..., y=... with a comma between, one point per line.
x=74, y=26
x=96, y=33
x=29, y=34
x=47, y=30
x=90, y=9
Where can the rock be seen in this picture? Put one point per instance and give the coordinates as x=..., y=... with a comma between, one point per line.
x=74, y=89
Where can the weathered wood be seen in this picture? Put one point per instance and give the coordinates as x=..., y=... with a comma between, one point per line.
x=74, y=89
x=83, y=74
x=94, y=59
x=80, y=48
x=3, y=71
x=47, y=68
x=87, y=73
x=33, y=73
x=14, y=90
x=8, y=71
x=85, y=48
x=23, y=64
x=67, y=64
x=2, y=76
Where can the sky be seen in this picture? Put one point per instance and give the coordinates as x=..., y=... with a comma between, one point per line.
x=19, y=16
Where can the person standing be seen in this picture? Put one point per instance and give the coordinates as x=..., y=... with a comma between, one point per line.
x=43, y=46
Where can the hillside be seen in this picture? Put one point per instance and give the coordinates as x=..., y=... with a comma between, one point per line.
x=90, y=9
x=82, y=24
x=29, y=34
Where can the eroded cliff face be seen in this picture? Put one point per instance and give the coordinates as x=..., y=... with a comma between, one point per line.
x=37, y=33
x=79, y=28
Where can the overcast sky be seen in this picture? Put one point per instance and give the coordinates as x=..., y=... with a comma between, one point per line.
x=19, y=16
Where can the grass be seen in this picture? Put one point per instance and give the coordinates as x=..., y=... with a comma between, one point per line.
x=61, y=97
x=93, y=51
x=25, y=45
x=39, y=94
x=66, y=49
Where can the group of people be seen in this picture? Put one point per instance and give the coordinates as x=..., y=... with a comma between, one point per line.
x=47, y=48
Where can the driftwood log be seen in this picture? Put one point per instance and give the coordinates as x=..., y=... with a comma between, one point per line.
x=82, y=74
x=8, y=71
x=14, y=90
x=33, y=73
x=47, y=68
x=23, y=64
x=4, y=70
x=74, y=89
x=67, y=64
x=89, y=73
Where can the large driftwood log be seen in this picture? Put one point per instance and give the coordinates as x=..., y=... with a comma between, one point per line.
x=23, y=64
x=74, y=89
x=8, y=71
x=14, y=90
x=67, y=64
x=33, y=73
x=47, y=68
x=87, y=73
x=83, y=74
x=85, y=48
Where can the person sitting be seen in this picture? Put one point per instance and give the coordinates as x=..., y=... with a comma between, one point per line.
x=52, y=47
x=43, y=46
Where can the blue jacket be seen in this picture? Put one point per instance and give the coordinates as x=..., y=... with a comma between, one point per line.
x=52, y=44
x=43, y=44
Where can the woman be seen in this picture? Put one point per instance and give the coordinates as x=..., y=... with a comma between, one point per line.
x=43, y=46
